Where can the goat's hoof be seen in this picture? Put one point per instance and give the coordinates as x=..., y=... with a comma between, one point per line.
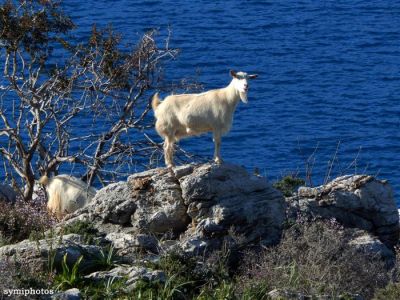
x=218, y=161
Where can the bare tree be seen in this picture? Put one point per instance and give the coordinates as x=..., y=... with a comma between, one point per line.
x=51, y=86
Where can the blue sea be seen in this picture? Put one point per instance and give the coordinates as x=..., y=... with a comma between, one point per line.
x=327, y=96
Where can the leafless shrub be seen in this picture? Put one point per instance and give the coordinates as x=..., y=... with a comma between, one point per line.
x=50, y=84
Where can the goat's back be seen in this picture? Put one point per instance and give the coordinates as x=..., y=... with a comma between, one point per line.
x=199, y=112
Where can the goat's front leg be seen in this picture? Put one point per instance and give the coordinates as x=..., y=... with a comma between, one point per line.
x=169, y=152
x=217, y=149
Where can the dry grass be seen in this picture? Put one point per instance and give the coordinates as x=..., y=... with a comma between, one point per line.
x=314, y=259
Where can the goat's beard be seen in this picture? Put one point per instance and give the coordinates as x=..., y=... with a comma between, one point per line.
x=243, y=96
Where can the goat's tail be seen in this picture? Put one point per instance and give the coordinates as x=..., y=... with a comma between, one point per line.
x=155, y=102
x=44, y=180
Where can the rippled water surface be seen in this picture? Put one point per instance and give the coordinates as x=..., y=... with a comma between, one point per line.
x=328, y=74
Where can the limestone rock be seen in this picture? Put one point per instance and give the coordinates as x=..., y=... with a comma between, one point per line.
x=356, y=201
x=220, y=201
x=126, y=243
x=372, y=246
x=161, y=207
x=39, y=252
x=149, y=202
x=71, y=294
x=225, y=200
x=131, y=274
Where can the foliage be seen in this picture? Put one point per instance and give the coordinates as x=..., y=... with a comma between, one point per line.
x=107, y=259
x=70, y=277
x=288, y=185
x=223, y=291
x=84, y=228
x=24, y=219
x=256, y=290
x=111, y=289
x=190, y=278
x=315, y=258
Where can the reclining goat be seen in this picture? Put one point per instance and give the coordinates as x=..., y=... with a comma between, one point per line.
x=66, y=194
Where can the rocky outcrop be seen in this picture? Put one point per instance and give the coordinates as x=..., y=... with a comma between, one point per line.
x=196, y=207
x=224, y=200
x=356, y=201
x=52, y=250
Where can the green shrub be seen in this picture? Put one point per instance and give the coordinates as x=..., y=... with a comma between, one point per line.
x=224, y=291
x=288, y=185
x=190, y=278
x=84, y=228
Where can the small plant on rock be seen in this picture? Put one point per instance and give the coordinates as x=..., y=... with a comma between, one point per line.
x=113, y=288
x=288, y=185
x=107, y=259
x=69, y=278
x=86, y=229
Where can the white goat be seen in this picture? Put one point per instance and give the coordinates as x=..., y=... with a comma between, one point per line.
x=66, y=194
x=186, y=115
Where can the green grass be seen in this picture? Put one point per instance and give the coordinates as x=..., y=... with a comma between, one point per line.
x=107, y=259
x=69, y=277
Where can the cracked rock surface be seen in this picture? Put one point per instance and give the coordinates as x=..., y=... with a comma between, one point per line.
x=38, y=253
x=197, y=206
x=359, y=201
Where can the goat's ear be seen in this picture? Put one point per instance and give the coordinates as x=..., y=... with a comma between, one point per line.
x=233, y=73
x=252, y=76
